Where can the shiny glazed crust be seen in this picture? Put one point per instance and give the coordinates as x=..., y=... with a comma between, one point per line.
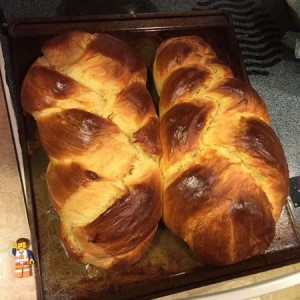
x=98, y=125
x=224, y=169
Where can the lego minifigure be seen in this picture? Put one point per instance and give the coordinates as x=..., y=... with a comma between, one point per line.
x=24, y=258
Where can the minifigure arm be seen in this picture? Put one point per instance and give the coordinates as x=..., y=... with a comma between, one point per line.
x=14, y=249
x=30, y=255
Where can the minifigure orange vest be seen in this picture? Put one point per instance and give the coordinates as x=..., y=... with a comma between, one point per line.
x=22, y=257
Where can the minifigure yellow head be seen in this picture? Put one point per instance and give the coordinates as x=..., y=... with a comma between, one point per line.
x=22, y=243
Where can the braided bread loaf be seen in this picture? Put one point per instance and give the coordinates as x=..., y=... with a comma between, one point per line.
x=224, y=169
x=99, y=127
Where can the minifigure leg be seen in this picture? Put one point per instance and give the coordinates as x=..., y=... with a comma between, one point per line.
x=19, y=271
x=26, y=271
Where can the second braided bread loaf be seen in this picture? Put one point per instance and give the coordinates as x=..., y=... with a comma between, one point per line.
x=224, y=169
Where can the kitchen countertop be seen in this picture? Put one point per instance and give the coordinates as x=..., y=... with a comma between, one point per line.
x=13, y=213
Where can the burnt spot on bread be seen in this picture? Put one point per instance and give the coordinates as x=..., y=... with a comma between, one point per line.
x=193, y=185
x=148, y=137
x=43, y=86
x=248, y=207
x=258, y=138
x=136, y=96
x=129, y=221
x=250, y=212
x=242, y=97
x=172, y=55
x=181, y=127
x=71, y=132
x=184, y=196
x=251, y=206
x=183, y=81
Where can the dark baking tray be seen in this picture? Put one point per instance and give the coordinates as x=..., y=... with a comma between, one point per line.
x=168, y=266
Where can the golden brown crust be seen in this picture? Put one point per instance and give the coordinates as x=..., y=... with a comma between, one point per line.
x=72, y=132
x=99, y=127
x=225, y=172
